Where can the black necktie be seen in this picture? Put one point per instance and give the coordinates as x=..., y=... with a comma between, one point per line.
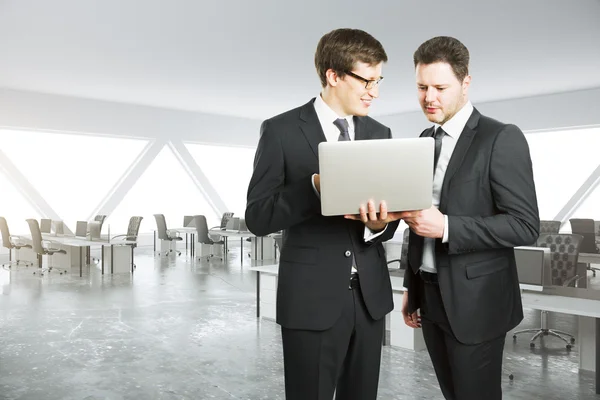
x=438, y=136
x=342, y=125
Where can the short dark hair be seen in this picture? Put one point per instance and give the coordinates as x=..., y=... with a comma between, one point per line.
x=340, y=49
x=444, y=49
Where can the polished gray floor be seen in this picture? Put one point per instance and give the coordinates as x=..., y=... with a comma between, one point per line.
x=179, y=329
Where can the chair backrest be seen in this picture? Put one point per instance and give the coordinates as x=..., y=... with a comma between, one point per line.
x=95, y=229
x=161, y=226
x=585, y=227
x=564, y=250
x=36, y=236
x=404, y=251
x=45, y=225
x=81, y=229
x=202, y=229
x=5, y=234
x=597, y=227
x=100, y=218
x=134, y=227
x=549, y=226
x=59, y=227
x=225, y=219
x=188, y=221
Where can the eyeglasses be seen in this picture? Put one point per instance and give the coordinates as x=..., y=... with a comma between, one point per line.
x=369, y=84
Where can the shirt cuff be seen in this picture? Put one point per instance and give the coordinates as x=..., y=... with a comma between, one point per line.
x=312, y=179
x=369, y=235
x=445, y=238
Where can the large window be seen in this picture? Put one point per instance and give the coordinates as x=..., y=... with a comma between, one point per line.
x=562, y=161
x=164, y=188
x=72, y=173
x=590, y=208
x=229, y=170
x=15, y=208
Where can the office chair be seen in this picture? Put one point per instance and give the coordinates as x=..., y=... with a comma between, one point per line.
x=12, y=242
x=166, y=234
x=564, y=251
x=403, y=260
x=38, y=247
x=132, y=234
x=547, y=226
x=586, y=228
x=203, y=237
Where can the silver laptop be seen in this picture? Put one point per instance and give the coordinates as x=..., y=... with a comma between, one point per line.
x=399, y=171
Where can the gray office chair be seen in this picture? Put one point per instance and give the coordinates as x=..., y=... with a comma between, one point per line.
x=166, y=234
x=12, y=242
x=586, y=228
x=38, y=247
x=98, y=218
x=564, y=251
x=547, y=226
x=403, y=260
x=132, y=235
x=202, y=233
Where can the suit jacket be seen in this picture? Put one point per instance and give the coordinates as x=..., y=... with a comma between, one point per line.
x=316, y=258
x=489, y=196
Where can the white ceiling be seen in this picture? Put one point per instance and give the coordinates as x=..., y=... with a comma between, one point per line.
x=255, y=58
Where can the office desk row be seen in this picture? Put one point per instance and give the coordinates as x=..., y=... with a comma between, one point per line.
x=584, y=303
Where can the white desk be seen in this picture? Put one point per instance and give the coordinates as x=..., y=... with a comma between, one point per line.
x=263, y=247
x=68, y=243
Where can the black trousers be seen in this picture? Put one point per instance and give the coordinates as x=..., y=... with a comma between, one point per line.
x=343, y=359
x=464, y=372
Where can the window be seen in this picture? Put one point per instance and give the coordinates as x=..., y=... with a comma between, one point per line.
x=164, y=188
x=229, y=170
x=562, y=161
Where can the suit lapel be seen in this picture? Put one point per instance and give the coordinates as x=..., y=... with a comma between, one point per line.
x=459, y=153
x=311, y=127
x=361, y=130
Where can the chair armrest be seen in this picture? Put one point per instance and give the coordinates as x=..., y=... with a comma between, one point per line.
x=393, y=261
x=575, y=279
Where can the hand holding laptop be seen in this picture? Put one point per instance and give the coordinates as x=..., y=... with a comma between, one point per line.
x=374, y=220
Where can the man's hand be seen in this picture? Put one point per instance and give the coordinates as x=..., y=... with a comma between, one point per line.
x=368, y=215
x=317, y=181
x=413, y=320
x=427, y=223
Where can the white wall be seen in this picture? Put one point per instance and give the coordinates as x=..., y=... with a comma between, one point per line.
x=561, y=110
x=19, y=109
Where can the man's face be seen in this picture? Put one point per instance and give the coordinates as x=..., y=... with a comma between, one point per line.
x=353, y=97
x=441, y=94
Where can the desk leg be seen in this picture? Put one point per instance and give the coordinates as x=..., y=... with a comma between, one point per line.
x=132, y=264
x=262, y=249
x=193, y=245
x=384, y=341
x=154, y=240
x=186, y=243
x=242, y=251
x=597, y=355
x=102, y=260
x=112, y=270
x=80, y=262
x=257, y=294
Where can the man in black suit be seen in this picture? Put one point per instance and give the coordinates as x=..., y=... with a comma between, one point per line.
x=334, y=288
x=462, y=276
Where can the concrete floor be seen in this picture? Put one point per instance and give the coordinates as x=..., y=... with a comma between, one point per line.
x=179, y=329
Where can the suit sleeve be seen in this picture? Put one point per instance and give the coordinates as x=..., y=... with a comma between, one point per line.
x=513, y=189
x=274, y=204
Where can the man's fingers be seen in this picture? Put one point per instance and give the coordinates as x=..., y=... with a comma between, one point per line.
x=372, y=210
x=383, y=212
x=363, y=213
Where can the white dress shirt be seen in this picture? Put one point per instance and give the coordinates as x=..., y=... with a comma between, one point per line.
x=453, y=129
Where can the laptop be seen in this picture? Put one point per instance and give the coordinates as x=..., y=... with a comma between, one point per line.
x=399, y=171
x=531, y=264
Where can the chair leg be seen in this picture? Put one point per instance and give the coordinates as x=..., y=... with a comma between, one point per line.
x=572, y=338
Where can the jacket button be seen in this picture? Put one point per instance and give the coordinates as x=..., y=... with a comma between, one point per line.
x=348, y=253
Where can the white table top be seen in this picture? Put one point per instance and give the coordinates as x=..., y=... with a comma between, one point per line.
x=186, y=229
x=74, y=241
x=269, y=269
x=230, y=233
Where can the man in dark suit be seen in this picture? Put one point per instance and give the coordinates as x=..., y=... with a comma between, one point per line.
x=462, y=276
x=334, y=288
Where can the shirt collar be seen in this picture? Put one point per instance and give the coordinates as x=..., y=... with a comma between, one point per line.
x=456, y=124
x=327, y=115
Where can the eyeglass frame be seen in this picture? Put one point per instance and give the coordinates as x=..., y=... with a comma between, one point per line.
x=375, y=82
